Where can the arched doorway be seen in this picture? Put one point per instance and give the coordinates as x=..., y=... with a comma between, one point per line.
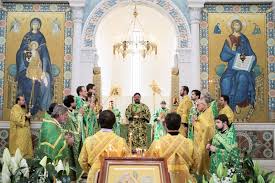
x=164, y=8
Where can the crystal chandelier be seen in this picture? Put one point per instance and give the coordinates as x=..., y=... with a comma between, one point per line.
x=135, y=42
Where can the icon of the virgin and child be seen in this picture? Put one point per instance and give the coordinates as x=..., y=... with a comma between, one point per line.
x=33, y=69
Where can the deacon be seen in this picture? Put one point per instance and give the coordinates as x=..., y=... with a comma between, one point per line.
x=224, y=147
x=177, y=150
x=75, y=126
x=53, y=141
x=138, y=114
x=225, y=109
x=116, y=127
x=195, y=96
x=20, y=132
x=103, y=144
x=158, y=119
x=204, y=129
x=184, y=108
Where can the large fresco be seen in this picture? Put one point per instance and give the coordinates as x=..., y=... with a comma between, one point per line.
x=236, y=59
x=37, y=55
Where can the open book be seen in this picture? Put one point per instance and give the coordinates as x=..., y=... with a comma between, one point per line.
x=245, y=65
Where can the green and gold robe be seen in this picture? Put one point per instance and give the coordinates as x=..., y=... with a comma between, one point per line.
x=159, y=129
x=80, y=102
x=47, y=116
x=52, y=141
x=91, y=126
x=116, y=127
x=192, y=113
x=137, y=126
x=227, y=151
x=214, y=108
x=74, y=125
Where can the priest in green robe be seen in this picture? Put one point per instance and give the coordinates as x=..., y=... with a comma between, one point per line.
x=138, y=114
x=116, y=127
x=158, y=119
x=53, y=139
x=224, y=147
x=74, y=125
x=90, y=125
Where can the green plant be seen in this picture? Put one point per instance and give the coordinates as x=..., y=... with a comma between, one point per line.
x=42, y=170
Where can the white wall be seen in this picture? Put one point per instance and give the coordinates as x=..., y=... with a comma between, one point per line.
x=157, y=27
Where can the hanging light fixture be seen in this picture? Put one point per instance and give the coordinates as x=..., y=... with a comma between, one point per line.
x=135, y=42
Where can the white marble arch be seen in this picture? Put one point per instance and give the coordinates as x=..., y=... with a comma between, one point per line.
x=88, y=56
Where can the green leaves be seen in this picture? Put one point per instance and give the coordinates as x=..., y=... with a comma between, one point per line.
x=260, y=179
x=234, y=178
x=220, y=171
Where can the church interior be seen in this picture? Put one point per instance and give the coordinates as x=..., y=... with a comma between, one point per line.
x=65, y=63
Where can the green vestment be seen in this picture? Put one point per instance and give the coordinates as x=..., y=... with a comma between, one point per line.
x=51, y=141
x=159, y=129
x=47, y=116
x=116, y=127
x=74, y=125
x=214, y=108
x=137, y=126
x=227, y=151
x=90, y=125
x=80, y=102
x=192, y=113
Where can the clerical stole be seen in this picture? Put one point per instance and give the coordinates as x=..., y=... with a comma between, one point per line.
x=180, y=155
x=98, y=146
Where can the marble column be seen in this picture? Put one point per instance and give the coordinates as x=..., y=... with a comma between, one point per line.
x=195, y=8
x=77, y=13
x=184, y=64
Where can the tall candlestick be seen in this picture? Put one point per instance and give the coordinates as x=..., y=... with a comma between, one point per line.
x=32, y=93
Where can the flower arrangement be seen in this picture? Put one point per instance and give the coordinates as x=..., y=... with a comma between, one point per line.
x=40, y=170
x=14, y=169
x=250, y=173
